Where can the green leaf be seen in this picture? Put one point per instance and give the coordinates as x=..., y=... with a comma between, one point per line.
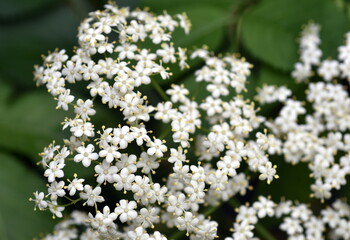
x=271, y=29
x=271, y=76
x=10, y=8
x=160, y=6
x=205, y=31
x=29, y=122
x=23, y=44
x=208, y=21
x=17, y=217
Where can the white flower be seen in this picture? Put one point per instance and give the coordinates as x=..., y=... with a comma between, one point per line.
x=321, y=190
x=138, y=234
x=156, y=147
x=247, y=214
x=177, y=204
x=64, y=99
x=54, y=170
x=122, y=137
x=123, y=180
x=92, y=196
x=267, y=172
x=264, y=207
x=329, y=69
x=126, y=51
x=127, y=162
x=110, y=153
x=212, y=106
x=86, y=155
x=147, y=163
x=56, y=209
x=165, y=112
x=243, y=230
x=103, y=221
x=72, y=71
x=136, y=31
x=167, y=53
x=39, y=200
x=80, y=128
x=125, y=210
x=105, y=172
x=291, y=226
x=159, y=192
x=147, y=217
x=177, y=93
x=84, y=109
x=56, y=190
x=187, y=222
x=75, y=185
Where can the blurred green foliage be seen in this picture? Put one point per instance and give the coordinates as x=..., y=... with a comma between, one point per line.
x=265, y=31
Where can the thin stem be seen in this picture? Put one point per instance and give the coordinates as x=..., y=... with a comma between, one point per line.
x=204, y=130
x=69, y=199
x=150, y=178
x=71, y=203
x=260, y=229
x=143, y=148
x=211, y=210
x=159, y=90
x=164, y=133
x=263, y=232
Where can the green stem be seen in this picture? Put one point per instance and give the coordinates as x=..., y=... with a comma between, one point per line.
x=211, y=210
x=159, y=90
x=263, y=232
x=71, y=203
x=143, y=148
x=260, y=229
x=204, y=130
x=150, y=178
x=165, y=133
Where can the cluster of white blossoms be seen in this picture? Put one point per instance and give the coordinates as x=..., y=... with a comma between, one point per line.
x=298, y=220
x=310, y=55
x=209, y=141
x=316, y=131
x=215, y=142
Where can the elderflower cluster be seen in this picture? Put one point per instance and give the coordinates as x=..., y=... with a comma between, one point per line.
x=310, y=53
x=209, y=143
x=316, y=131
x=298, y=220
x=175, y=156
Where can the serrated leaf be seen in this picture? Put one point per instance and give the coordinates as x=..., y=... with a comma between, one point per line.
x=271, y=29
x=17, y=217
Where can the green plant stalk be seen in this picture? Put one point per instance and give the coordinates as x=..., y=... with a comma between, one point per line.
x=159, y=90
x=165, y=133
